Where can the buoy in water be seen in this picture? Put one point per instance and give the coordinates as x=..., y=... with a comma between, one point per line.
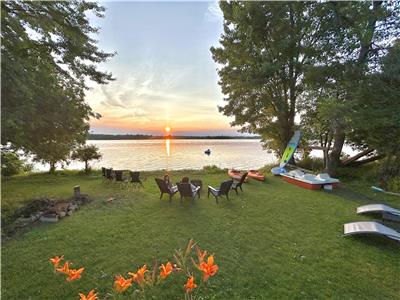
x=208, y=152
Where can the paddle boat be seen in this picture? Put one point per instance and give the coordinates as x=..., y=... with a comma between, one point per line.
x=310, y=181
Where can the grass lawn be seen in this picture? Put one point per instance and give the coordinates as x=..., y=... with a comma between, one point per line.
x=273, y=241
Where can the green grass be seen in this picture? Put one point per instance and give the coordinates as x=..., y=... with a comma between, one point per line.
x=274, y=240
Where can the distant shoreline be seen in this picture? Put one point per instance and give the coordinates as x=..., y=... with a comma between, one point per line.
x=159, y=137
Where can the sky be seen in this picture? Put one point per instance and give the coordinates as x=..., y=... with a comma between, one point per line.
x=165, y=74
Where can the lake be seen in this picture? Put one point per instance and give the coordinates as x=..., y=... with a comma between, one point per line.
x=148, y=155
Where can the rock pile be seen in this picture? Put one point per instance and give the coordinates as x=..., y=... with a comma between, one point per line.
x=46, y=210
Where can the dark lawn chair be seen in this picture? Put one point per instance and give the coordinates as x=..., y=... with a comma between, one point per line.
x=238, y=184
x=109, y=174
x=135, y=177
x=103, y=172
x=165, y=189
x=186, y=190
x=119, y=177
x=223, y=190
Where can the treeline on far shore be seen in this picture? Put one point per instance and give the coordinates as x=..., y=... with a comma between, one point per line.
x=157, y=137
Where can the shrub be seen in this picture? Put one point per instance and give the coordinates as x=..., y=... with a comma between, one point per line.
x=311, y=163
x=11, y=164
x=85, y=154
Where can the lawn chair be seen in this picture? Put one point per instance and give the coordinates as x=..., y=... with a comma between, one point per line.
x=186, y=190
x=103, y=172
x=223, y=190
x=119, y=177
x=238, y=184
x=109, y=174
x=370, y=227
x=135, y=177
x=387, y=212
x=164, y=188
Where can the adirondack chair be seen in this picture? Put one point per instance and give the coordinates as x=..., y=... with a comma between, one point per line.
x=165, y=189
x=238, y=184
x=188, y=190
x=224, y=189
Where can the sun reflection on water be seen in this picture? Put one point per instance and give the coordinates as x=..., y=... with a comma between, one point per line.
x=168, y=146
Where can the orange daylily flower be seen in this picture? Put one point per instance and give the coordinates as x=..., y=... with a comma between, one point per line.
x=138, y=277
x=75, y=274
x=201, y=255
x=91, y=296
x=190, y=285
x=209, y=268
x=165, y=270
x=56, y=260
x=121, y=284
x=64, y=269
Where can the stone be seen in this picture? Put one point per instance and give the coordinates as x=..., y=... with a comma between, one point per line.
x=69, y=213
x=49, y=218
x=36, y=216
x=62, y=214
x=77, y=191
x=21, y=221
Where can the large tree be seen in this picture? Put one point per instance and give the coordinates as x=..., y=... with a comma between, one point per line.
x=48, y=55
x=266, y=49
x=363, y=33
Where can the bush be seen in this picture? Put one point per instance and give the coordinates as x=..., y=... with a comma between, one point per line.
x=311, y=163
x=11, y=164
x=393, y=184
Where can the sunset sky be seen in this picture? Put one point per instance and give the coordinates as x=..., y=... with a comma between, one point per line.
x=165, y=75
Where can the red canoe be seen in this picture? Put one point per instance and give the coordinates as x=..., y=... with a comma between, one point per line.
x=235, y=174
x=256, y=175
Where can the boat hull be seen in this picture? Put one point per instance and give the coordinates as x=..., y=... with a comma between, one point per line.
x=236, y=175
x=308, y=185
x=256, y=175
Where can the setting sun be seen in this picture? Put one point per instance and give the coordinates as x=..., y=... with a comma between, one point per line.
x=167, y=129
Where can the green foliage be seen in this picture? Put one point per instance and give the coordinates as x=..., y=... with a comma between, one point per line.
x=85, y=154
x=311, y=163
x=47, y=57
x=375, y=117
x=11, y=164
x=266, y=49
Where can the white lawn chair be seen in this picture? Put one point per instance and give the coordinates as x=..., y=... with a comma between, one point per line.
x=370, y=227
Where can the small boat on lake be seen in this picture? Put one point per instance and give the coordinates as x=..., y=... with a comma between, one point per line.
x=208, y=152
x=256, y=175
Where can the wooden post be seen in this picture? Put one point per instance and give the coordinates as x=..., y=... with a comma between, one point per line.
x=77, y=191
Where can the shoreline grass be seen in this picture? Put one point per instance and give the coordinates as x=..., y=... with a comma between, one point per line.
x=274, y=240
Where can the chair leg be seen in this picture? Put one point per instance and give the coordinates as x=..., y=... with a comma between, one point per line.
x=241, y=188
x=227, y=197
x=236, y=191
x=216, y=199
x=161, y=195
x=170, y=198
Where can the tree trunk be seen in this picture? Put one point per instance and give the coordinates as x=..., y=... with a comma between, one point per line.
x=357, y=156
x=364, y=161
x=52, y=167
x=334, y=156
x=86, y=166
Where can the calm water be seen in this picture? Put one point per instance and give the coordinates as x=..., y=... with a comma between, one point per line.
x=147, y=155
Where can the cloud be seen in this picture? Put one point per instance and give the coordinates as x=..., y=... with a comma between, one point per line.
x=214, y=13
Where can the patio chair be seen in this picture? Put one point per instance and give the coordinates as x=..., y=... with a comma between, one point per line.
x=164, y=188
x=109, y=174
x=238, y=184
x=387, y=212
x=188, y=190
x=135, y=177
x=103, y=172
x=370, y=227
x=223, y=190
